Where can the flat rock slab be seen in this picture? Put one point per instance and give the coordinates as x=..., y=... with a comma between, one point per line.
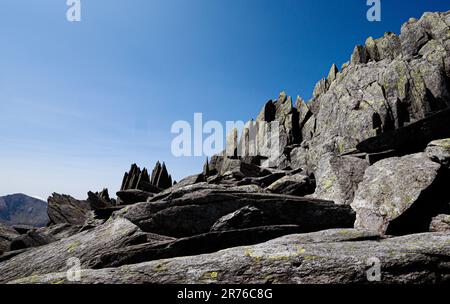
x=337, y=256
x=191, y=213
x=85, y=246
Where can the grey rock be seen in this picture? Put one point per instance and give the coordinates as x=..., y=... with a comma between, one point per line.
x=297, y=184
x=32, y=238
x=86, y=246
x=440, y=223
x=326, y=257
x=66, y=209
x=133, y=196
x=245, y=217
x=7, y=235
x=99, y=200
x=439, y=151
x=337, y=178
x=412, y=138
x=193, y=212
x=190, y=246
x=400, y=195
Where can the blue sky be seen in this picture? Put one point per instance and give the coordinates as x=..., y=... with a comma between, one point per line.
x=80, y=102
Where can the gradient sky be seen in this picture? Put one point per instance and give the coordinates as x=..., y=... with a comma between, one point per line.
x=80, y=102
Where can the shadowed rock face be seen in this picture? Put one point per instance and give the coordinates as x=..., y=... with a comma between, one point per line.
x=401, y=195
x=194, y=212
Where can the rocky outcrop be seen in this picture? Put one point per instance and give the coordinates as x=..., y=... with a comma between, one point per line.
x=338, y=177
x=100, y=199
x=66, y=209
x=340, y=256
x=194, y=212
x=389, y=93
x=297, y=184
x=367, y=155
x=85, y=246
x=137, y=184
x=133, y=196
x=401, y=195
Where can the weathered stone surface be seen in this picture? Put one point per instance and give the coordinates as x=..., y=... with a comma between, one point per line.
x=297, y=184
x=133, y=196
x=439, y=151
x=86, y=246
x=412, y=138
x=336, y=256
x=240, y=168
x=337, y=178
x=7, y=235
x=99, y=200
x=32, y=238
x=195, y=245
x=66, y=209
x=245, y=217
x=440, y=223
x=400, y=195
x=188, y=213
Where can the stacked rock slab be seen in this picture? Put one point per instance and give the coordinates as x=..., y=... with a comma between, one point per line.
x=388, y=84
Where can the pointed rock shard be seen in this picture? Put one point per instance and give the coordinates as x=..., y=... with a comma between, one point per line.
x=372, y=50
x=155, y=173
x=268, y=112
x=65, y=209
x=99, y=200
x=359, y=55
x=303, y=111
x=332, y=75
x=232, y=144
x=163, y=181
x=206, y=168
x=320, y=88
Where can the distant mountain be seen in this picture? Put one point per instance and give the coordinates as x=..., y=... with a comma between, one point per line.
x=20, y=209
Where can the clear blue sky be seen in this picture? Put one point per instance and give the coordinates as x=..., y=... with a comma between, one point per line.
x=80, y=102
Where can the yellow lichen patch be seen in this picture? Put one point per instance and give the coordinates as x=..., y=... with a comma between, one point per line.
x=212, y=275
x=249, y=253
x=73, y=246
x=328, y=183
x=58, y=282
x=161, y=266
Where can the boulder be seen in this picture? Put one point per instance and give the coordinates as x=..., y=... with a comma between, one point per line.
x=66, y=209
x=99, y=200
x=7, y=235
x=439, y=151
x=245, y=217
x=86, y=246
x=32, y=238
x=440, y=223
x=337, y=178
x=193, y=211
x=400, y=195
x=297, y=184
x=133, y=196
